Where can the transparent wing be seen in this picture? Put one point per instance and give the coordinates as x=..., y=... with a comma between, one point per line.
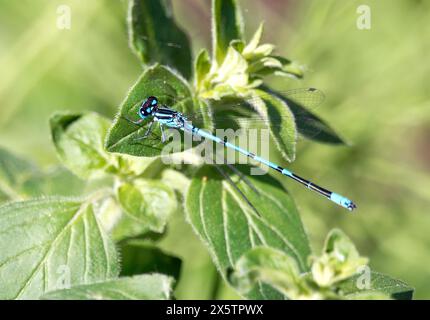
x=235, y=113
x=307, y=98
x=238, y=113
x=310, y=98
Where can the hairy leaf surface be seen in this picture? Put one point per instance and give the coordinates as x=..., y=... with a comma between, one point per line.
x=142, y=287
x=227, y=25
x=171, y=91
x=230, y=226
x=379, y=282
x=79, y=141
x=155, y=36
x=48, y=244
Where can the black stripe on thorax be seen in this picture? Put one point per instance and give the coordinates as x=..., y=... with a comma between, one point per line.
x=163, y=113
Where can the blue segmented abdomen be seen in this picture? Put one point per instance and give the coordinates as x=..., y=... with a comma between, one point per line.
x=336, y=198
x=286, y=172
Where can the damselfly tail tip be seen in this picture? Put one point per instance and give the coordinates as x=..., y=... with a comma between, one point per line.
x=351, y=206
x=342, y=201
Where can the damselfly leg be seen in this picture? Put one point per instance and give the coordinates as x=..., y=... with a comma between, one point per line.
x=136, y=122
x=236, y=187
x=240, y=174
x=147, y=133
x=163, y=137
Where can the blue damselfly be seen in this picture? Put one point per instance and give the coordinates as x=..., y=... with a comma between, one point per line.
x=151, y=111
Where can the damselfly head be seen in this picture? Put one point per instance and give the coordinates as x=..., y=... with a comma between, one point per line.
x=148, y=107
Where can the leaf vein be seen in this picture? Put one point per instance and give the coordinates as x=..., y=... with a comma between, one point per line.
x=47, y=254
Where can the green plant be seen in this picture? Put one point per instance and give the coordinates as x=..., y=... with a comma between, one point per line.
x=129, y=200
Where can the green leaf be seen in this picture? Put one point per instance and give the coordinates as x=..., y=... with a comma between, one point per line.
x=143, y=287
x=231, y=76
x=48, y=244
x=275, y=65
x=14, y=172
x=146, y=204
x=229, y=226
x=238, y=45
x=270, y=266
x=227, y=25
x=170, y=89
x=255, y=41
x=138, y=166
x=78, y=140
x=21, y=179
x=339, y=261
x=4, y=196
x=308, y=124
x=205, y=111
x=177, y=180
x=138, y=257
x=263, y=50
x=379, y=282
x=368, y=295
x=264, y=66
x=56, y=181
x=202, y=68
x=156, y=38
x=289, y=68
x=284, y=133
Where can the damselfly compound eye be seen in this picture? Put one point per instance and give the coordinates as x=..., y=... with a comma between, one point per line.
x=151, y=101
x=142, y=112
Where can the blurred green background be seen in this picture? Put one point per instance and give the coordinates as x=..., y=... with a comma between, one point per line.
x=377, y=86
